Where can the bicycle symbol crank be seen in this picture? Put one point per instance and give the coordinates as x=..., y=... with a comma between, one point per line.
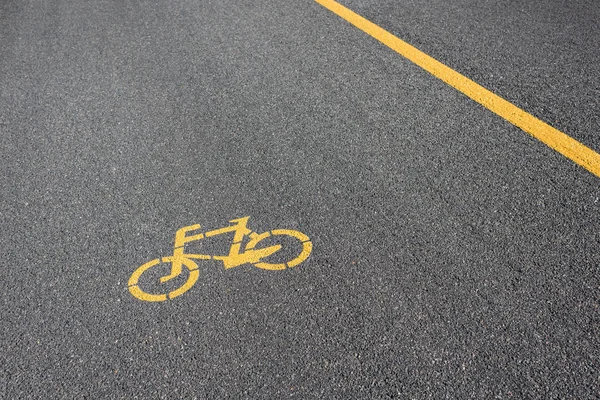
x=250, y=255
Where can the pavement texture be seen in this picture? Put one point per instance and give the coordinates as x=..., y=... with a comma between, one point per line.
x=454, y=256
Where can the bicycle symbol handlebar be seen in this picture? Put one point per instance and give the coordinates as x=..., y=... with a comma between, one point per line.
x=236, y=257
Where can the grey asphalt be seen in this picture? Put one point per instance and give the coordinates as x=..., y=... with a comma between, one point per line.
x=454, y=255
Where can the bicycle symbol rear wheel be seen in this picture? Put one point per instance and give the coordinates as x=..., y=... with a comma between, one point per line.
x=137, y=292
x=306, y=248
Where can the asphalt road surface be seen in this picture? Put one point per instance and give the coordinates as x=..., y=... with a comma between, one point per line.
x=453, y=255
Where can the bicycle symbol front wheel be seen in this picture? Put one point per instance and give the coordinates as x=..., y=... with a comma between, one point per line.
x=304, y=253
x=137, y=292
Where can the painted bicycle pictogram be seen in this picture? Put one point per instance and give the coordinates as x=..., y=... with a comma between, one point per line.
x=236, y=257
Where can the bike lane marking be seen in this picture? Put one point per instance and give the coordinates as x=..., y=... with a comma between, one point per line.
x=236, y=256
x=552, y=137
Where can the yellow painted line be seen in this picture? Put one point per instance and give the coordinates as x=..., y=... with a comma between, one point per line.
x=557, y=140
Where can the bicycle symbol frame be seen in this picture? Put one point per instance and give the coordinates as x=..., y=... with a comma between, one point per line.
x=235, y=258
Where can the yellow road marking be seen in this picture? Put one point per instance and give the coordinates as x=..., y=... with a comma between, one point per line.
x=557, y=140
x=236, y=257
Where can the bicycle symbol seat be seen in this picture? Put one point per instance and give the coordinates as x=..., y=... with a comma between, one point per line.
x=250, y=255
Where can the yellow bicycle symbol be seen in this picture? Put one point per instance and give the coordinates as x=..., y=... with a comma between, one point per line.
x=235, y=258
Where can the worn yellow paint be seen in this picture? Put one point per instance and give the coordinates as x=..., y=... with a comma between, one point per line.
x=193, y=277
x=236, y=256
x=133, y=283
x=135, y=290
x=140, y=294
x=557, y=140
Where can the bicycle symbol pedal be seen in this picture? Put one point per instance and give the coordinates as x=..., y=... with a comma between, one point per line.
x=236, y=257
